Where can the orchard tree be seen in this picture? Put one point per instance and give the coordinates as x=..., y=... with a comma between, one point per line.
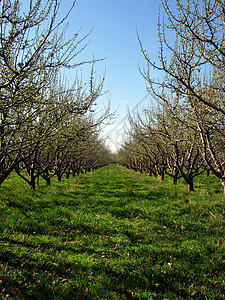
x=169, y=143
x=60, y=126
x=193, y=65
x=33, y=49
x=198, y=48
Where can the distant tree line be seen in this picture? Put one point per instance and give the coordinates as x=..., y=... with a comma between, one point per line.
x=183, y=133
x=47, y=126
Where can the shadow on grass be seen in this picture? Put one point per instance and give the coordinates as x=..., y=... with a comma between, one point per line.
x=94, y=273
x=107, y=239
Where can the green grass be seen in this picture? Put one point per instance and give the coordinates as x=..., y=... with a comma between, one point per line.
x=112, y=234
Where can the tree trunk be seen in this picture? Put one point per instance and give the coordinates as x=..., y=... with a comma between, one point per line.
x=38, y=181
x=175, y=179
x=223, y=184
x=59, y=177
x=190, y=185
x=163, y=175
x=2, y=141
x=32, y=184
x=175, y=176
x=32, y=180
x=48, y=180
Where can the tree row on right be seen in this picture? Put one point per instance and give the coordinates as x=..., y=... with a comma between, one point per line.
x=182, y=132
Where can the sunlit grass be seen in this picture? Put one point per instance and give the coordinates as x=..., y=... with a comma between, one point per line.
x=112, y=233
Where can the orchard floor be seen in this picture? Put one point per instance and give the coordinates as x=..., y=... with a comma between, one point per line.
x=112, y=234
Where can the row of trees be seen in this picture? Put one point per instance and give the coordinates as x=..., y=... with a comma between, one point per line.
x=159, y=143
x=183, y=134
x=47, y=126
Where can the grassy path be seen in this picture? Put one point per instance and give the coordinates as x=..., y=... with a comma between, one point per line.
x=111, y=234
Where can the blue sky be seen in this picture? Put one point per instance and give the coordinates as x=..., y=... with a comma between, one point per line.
x=114, y=37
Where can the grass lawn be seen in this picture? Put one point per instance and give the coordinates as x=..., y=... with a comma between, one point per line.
x=112, y=234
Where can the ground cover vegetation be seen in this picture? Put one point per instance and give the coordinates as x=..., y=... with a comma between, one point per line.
x=182, y=133
x=112, y=233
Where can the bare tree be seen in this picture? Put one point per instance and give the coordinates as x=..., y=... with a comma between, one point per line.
x=32, y=51
x=193, y=65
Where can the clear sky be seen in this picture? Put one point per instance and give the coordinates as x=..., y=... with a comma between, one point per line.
x=114, y=37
